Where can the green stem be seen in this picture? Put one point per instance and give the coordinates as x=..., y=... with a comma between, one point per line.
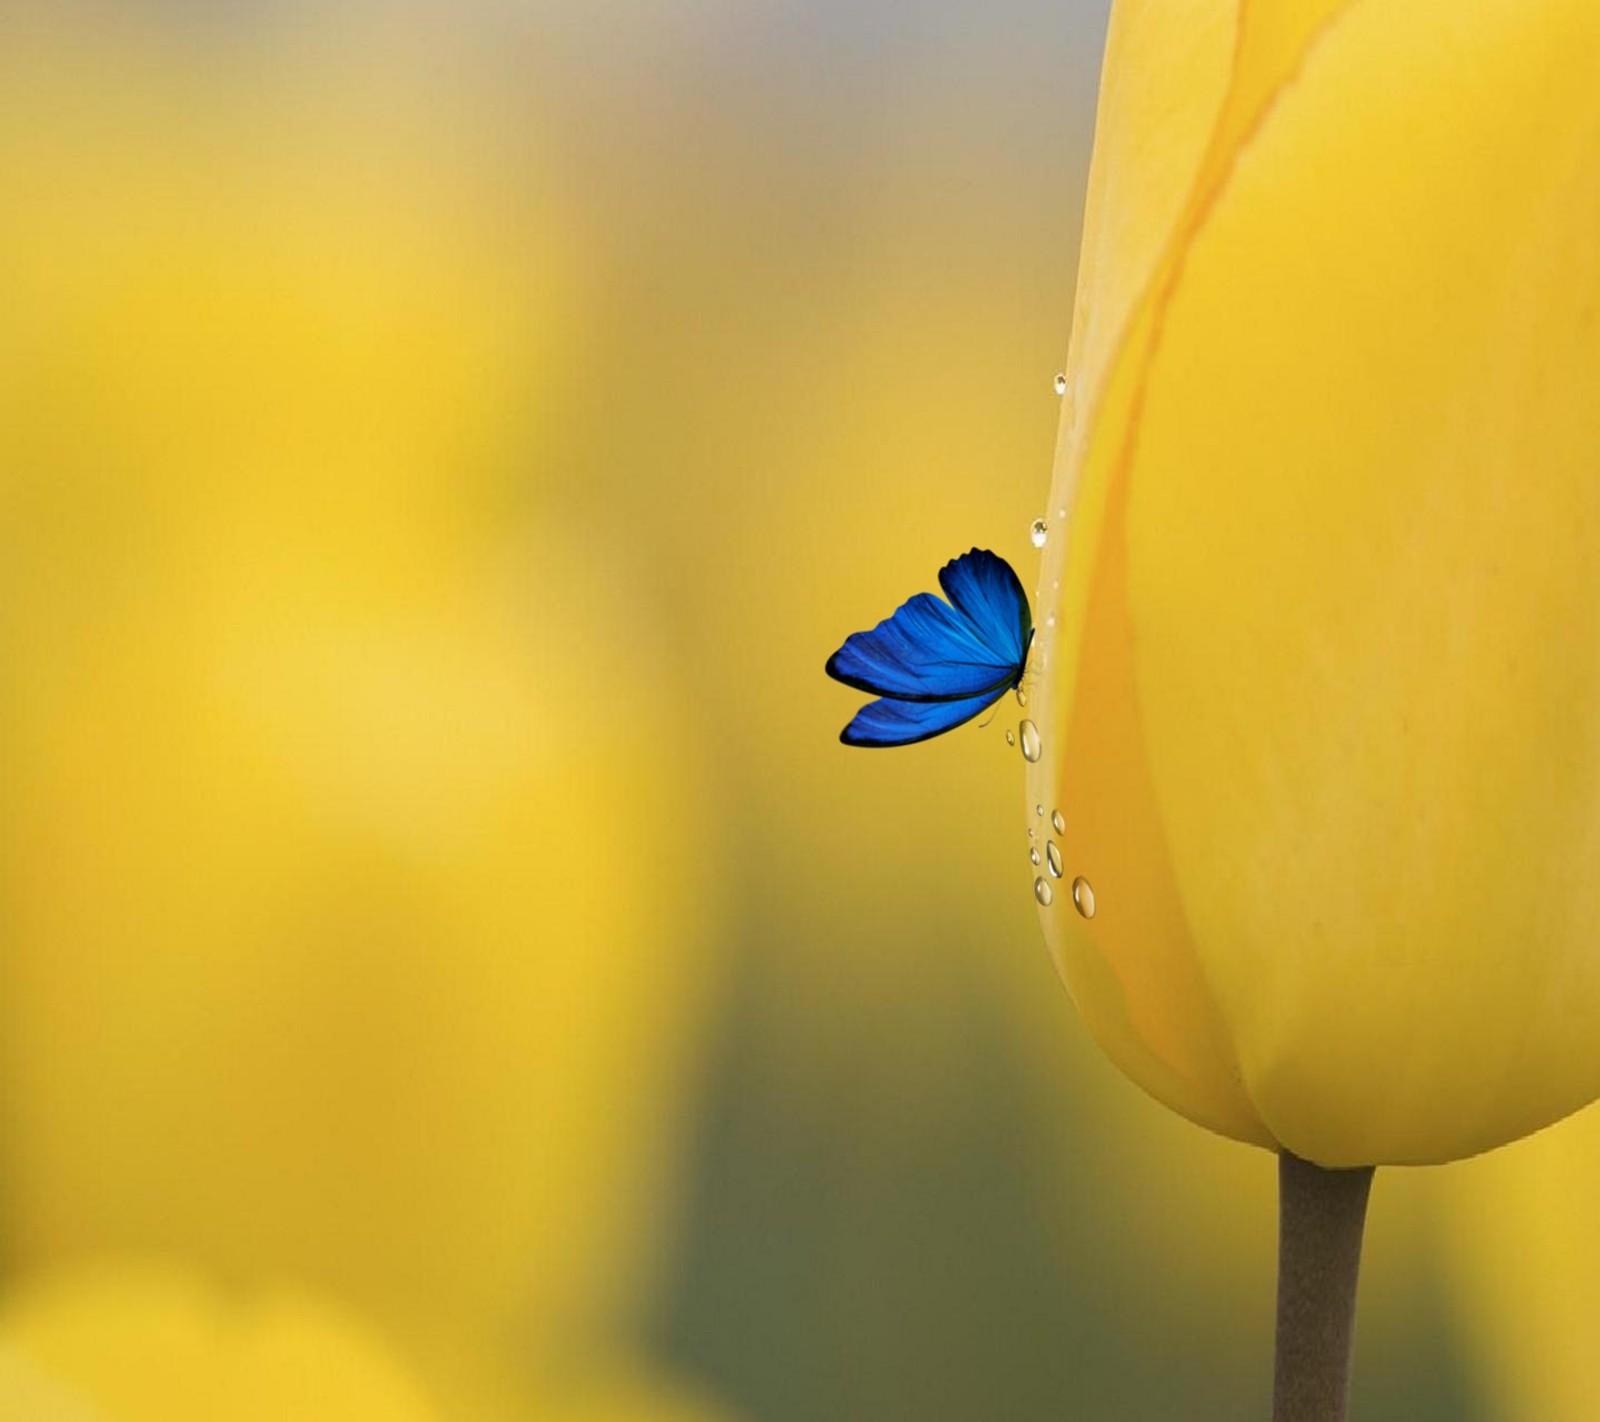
x=1321, y=1214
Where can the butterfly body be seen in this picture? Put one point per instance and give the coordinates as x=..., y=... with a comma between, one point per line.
x=936, y=664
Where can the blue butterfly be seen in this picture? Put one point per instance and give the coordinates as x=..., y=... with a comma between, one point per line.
x=937, y=664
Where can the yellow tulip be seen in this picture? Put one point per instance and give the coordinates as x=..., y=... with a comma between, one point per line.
x=1319, y=662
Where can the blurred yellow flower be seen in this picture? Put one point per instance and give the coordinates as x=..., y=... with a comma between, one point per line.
x=354, y=853
x=145, y=1343
x=153, y=1345
x=1320, y=628
x=1524, y=1256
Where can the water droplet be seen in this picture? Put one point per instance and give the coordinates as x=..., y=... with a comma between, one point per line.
x=1022, y=697
x=1039, y=811
x=1030, y=831
x=1052, y=857
x=1011, y=740
x=1082, y=896
x=1043, y=892
x=1033, y=856
x=1060, y=382
x=1038, y=533
x=1032, y=746
x=1059, y=821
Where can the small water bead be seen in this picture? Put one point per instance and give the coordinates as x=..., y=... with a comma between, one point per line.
x=1058, y=821
x=1082, y=896
x=1032, y=746
x=1038, y=533
x=1022, y=697
x=1053, y=859
x=1011, y=740
x=1033, y=857
x=1060, y=382
x=1043, y=892
x=1039, y=811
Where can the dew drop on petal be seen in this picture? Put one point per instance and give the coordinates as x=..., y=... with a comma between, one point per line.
x=1032, y=746
x=1039, y=811
x=1052, y=857
x=1011, y=740
x=1082, y=897
x=1060, y=382
x=1022, y=697
x=1058, y=821
x=1033, y=856
x=1038, y=533
x=1043, y=892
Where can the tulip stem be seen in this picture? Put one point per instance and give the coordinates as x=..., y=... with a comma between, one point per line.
x=1321, y=1215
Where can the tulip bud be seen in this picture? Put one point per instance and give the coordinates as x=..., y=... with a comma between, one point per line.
x=1318, y=666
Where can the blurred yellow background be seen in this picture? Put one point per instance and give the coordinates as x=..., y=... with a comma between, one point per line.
x=449, y=967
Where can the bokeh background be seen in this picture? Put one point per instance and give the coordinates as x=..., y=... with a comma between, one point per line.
x=448, y=967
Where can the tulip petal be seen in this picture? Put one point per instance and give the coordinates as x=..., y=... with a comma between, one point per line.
x=1167, y=68
x=1187, y=84
x=1362, y=528
x=1185, y=89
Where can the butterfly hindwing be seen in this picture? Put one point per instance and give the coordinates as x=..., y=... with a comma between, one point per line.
x=903, y=723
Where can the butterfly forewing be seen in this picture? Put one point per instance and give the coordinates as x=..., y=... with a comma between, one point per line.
x=985, y=590
x=927, y=651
